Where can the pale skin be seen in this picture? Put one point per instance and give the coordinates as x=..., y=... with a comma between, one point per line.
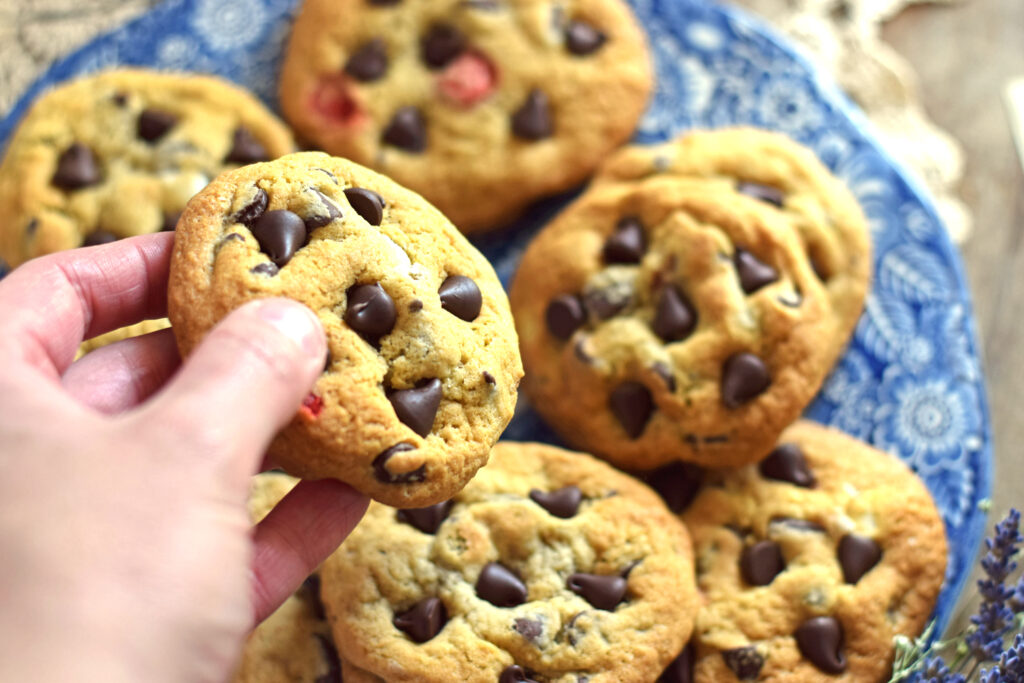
x=126, y=552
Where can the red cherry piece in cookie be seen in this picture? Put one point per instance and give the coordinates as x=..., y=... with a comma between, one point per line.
x=468, y=79
x=311, y=406
x=334, y=101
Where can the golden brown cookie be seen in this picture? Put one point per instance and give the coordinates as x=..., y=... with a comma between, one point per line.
x=423, y=368
x=665, y=320
x=549, y=566
x=481, y=106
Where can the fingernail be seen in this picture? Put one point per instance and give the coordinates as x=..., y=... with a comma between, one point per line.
x=294, y=321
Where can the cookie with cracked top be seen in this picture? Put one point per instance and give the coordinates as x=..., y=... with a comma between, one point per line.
x=423, y=368
x=811, y=562
x=482, y=107
x=548, y=566
x=663, y=320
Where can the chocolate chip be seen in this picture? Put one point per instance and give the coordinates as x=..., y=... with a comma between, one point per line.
x=320, y=220
x=499, y=586
x=407, y=130
x=245, y=148
x=663, y=371
x=380, y=469
x=423, y=621
x=76, y=168
x=532, y=121
x=312, y=587
x=328, y=361
x=415, y=306
x=514, y=674
x=441, y=44
x=561, y=503
x=253, y=210
x=632, y=405
x=765, y=193
x=565, y=315
x=489, y=378
x=745, y=662
x=119, y=98
x=602, y=591
x=367, y=204
x=677, y=483
x=369, y=62
x=681, y=668
x=330, y=654
x=370, y=311
x=857, y=555
x=99, y=237
x=675, y=316
x=528, y=628
x=267, y=268
x=171, y=222
x=427, y=519
x=280, y=234
x=744, y=378
x=761, y=563
x=820, y=640
x=627, y=244
x=754, y=273
x=798, y=524
x=787, y=463
x=603, y=304
x=581, y=38
x=461, y=297
x=417, y=407
x=153, y=124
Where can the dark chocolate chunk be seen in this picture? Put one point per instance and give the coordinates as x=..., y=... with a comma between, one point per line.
x=441, y=44
x=280, y=234
x=581, y=38
x=787, y=463
x=245, y=148
x=528, y=628
x=532, y=121
x=253, y=210
x=565, y=315
x=754, y=273
x=761, y=563
x=857, y=556
x=500, y=586
x=675, y=316
x=415, y=306
x=417, y=407
x=820, y=640
x=76, y=168
x=320, y=220
x=681, y=668
x=99, y=237
x=423, y=621
x=380, y=469
x=367, y=204
x=428, y=519
x=461, y=297
x=602, y=306
x=765, y=193
x=489, y=378
x=602, y=591
x=677, y=483
x=664, y=371
x=514, y=674
x=369, y=62
x=407, y=130
x=153, y=124
x=632, y=406
x=744, y=378
x=370, y=311
x=627, y=244
x=171, y=221
x=561, y=503
x=266, y=268
x=330, y=654
x=745, y=662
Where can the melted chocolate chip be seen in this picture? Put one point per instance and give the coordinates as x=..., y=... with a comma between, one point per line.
x=367, y=204
x=499, y=586
x=267, y=268
x=765, y=193
x=857, y=556
x=532, y=121
x=369, y=62
x=76, y=168
x=632, y=406
x=330, y=654
x=602, y=591
x=745, y=662
x=253, y=210
x=407, y=130
x=370, y=312
x=603, y=304
x=744, y=378
x=664, y=371
x=514, y=674
x=320, y=220
x=528, y=628
x=441, y=44
x=582, y=39
x=170, y=222
x=565, y=315
x=627, y=244
x=417, y=407
x=675, y=317
x=245, y=148
x=461, y=297
x=787, y=463
x=820, y=640
x=677, y=483
x=423, y=621
x=428, y=519
x=99, y=237
x=754, y=273
x=761, y=563
x=561, y=503
x=153, y=124
x=280, y=234
x=681, y=668
x=380, y=469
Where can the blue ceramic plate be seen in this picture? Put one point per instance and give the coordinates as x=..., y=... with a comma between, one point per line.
x=910, y=382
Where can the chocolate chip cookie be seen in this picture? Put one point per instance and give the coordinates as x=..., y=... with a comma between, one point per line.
x=811, y=562
x=423, y=368
x=120, y=153
x=481, y=106
x=549, y=566
x=666, y=320
x=787, y=178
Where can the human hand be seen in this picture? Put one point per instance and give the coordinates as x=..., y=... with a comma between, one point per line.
x=126, y=553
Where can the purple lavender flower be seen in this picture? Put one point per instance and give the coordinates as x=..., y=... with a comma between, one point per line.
x=1010, y=668
x=995, y=616
x=935, y=671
